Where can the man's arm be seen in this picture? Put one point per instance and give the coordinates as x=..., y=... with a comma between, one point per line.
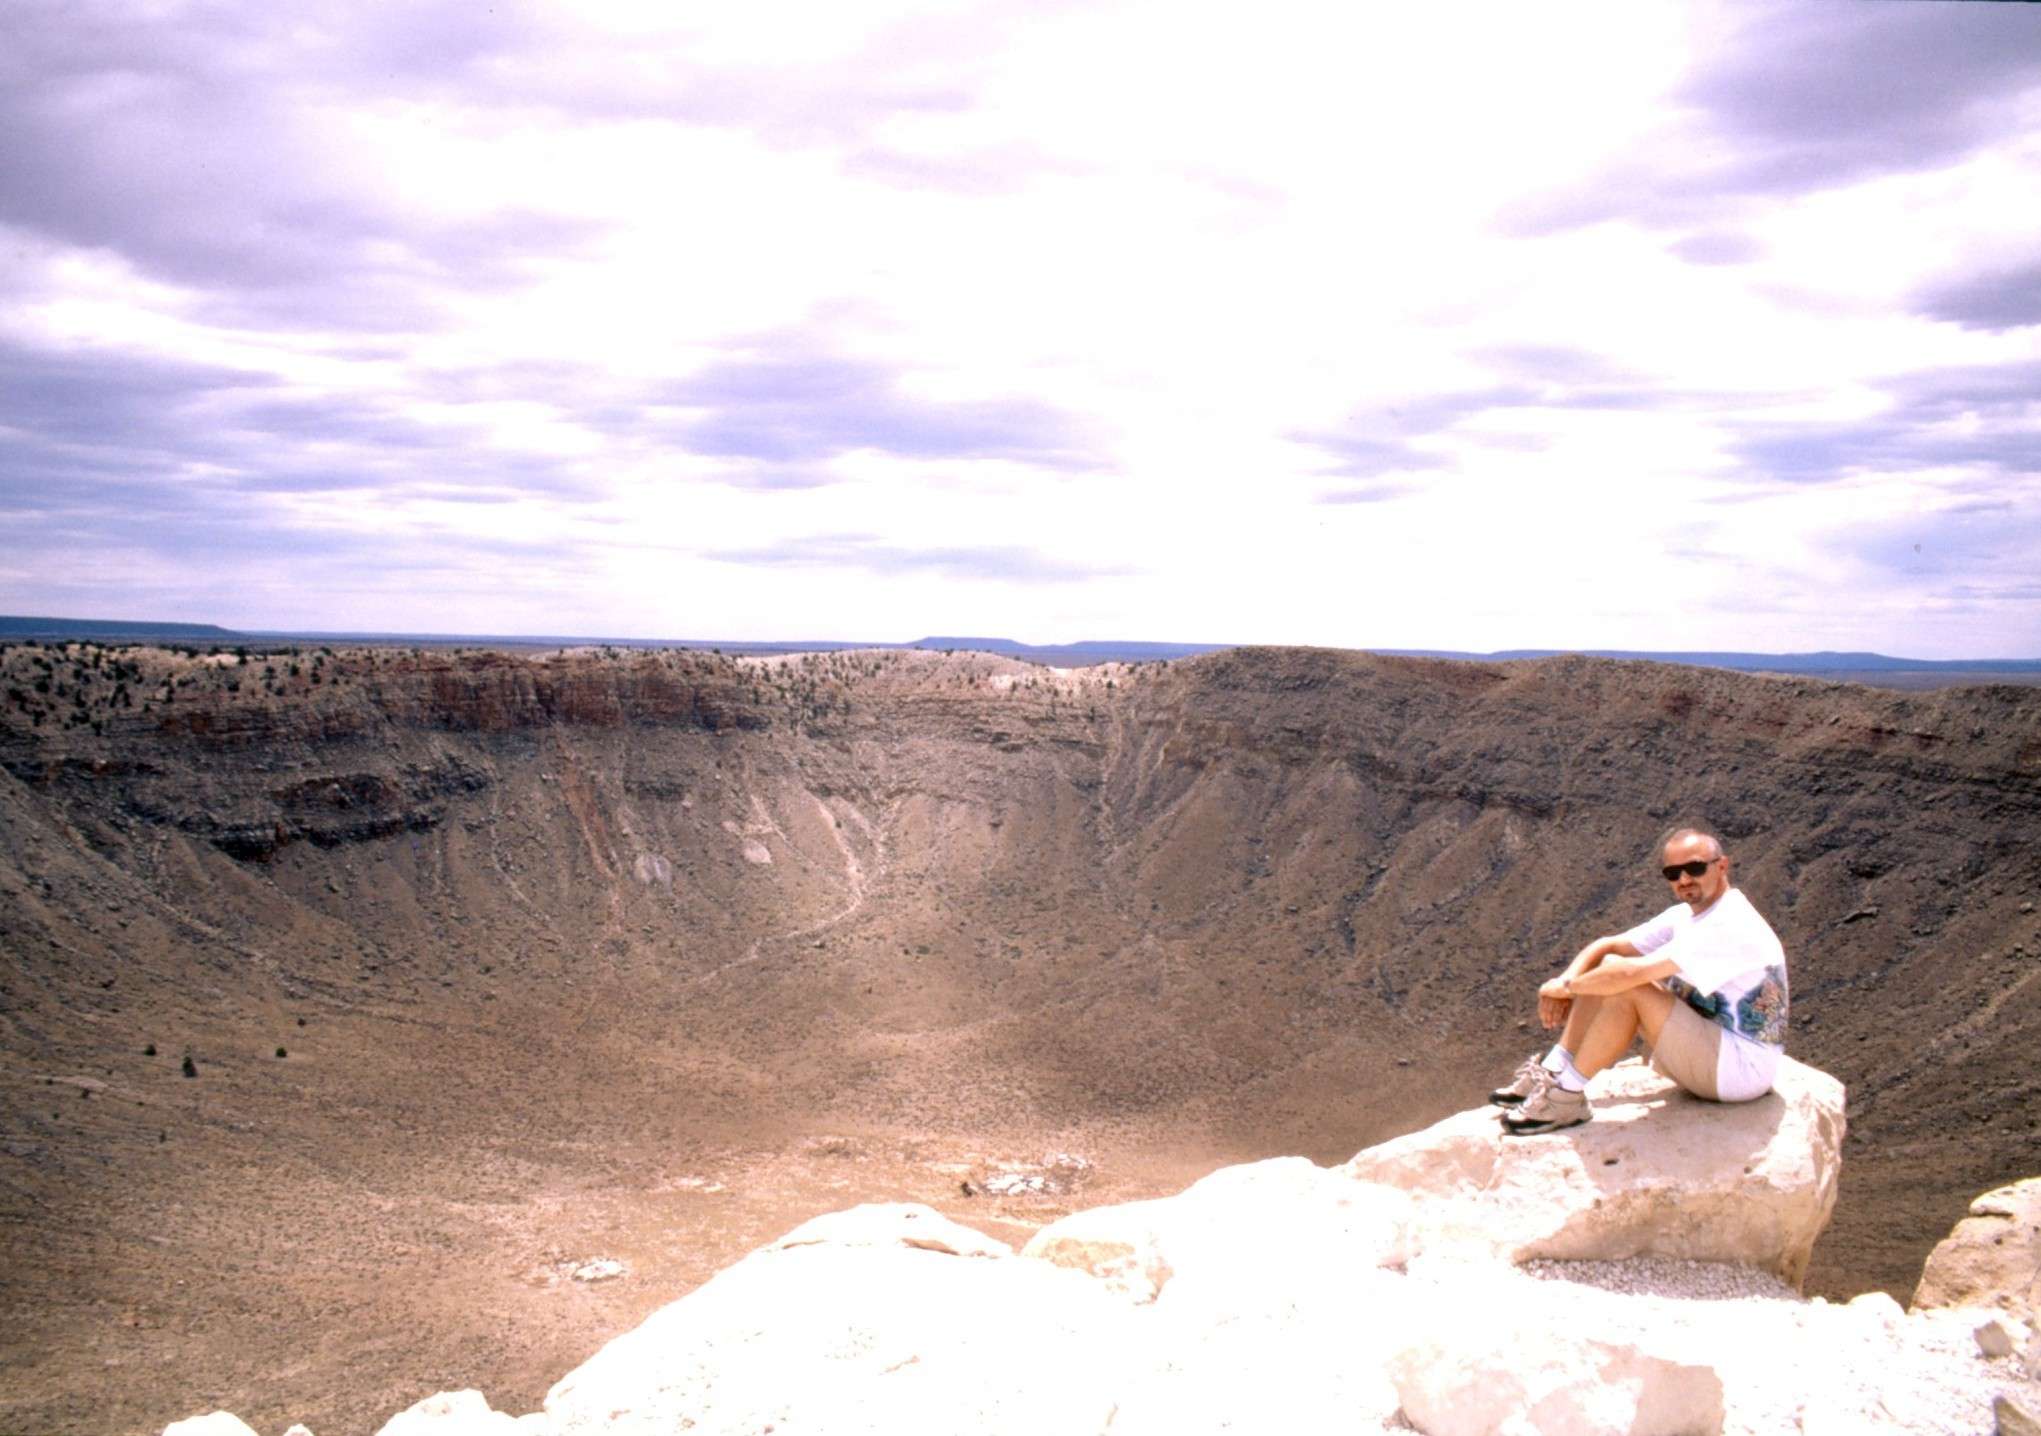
x=1619, y=973
x=1606, y=965
x=1585, y=961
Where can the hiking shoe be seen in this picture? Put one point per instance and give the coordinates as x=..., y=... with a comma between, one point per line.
x=1547, y=1110
x=1530, y=1077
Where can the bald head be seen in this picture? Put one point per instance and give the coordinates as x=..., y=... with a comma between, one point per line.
x=1710, y=845
x=1694, y=863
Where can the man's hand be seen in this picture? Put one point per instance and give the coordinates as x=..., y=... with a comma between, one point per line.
x=1553, y=1003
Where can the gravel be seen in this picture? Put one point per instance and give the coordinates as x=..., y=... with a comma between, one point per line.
x=1668, y=1277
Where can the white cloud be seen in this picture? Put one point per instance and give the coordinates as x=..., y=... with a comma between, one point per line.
x=1105, y=302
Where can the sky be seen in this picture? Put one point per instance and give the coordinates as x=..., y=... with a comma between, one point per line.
x=1629, y=325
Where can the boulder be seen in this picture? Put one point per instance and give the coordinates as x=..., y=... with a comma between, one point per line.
x=1116, y=1244
x=1275, y=1225
x=1655, y=1173
x=1996, y=1338
x=456, y=1413
x=893, y=1224
x=1264, y=1297
x=1990, y=1258
x=884, y=1319
x=217, y=1423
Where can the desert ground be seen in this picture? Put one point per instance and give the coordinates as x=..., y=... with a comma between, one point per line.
x=484, y=966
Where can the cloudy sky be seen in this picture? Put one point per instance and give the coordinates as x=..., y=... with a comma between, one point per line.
x=1468, y=326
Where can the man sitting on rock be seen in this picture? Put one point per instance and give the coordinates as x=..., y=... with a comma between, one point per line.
x=1704, y=981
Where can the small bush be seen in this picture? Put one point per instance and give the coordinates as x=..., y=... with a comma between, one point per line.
x=281, y=1053
x=190, y=1067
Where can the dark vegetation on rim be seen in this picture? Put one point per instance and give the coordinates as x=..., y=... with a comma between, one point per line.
x=559, y=939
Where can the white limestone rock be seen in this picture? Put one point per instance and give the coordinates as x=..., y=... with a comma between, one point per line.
x=1283, y=1224
x=217, y=1423
x=1992, y=1257
x=1522, y=1378
x=893, y=1224
x=459, y=1413
x=1655, y=1173
x=1875, y=1311
x=1286, y=1357
x=885, y=1319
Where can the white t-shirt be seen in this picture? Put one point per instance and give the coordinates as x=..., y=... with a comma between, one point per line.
x=1732, y=969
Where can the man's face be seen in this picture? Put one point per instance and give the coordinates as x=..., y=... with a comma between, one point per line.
x=1697, y=890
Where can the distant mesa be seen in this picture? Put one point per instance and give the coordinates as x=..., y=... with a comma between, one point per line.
x=114, y=630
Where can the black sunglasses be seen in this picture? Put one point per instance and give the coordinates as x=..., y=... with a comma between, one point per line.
x=1693, y=869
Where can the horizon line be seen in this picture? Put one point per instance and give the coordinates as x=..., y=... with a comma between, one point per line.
x=22, y=627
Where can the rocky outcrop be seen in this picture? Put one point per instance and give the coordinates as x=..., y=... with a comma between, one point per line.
x=1992, y=1257
x=1282, y=1295
x=1655, y=1173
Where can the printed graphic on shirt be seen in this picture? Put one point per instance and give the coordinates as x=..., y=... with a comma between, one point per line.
x=1755, y=1009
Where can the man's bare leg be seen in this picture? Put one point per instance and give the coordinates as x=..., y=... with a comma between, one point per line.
x=1606, y=1033
x=1580, y=1019
x=1597, y=1031
x=1574, y=1016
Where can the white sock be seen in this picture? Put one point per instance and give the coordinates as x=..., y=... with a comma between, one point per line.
x=1559, y=1062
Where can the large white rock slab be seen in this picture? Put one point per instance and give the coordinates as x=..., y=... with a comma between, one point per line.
x=1273, y=1227
x=1656, y=1173
x=839, y=1329
x=1290, y=1357
x=1524, y=1377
